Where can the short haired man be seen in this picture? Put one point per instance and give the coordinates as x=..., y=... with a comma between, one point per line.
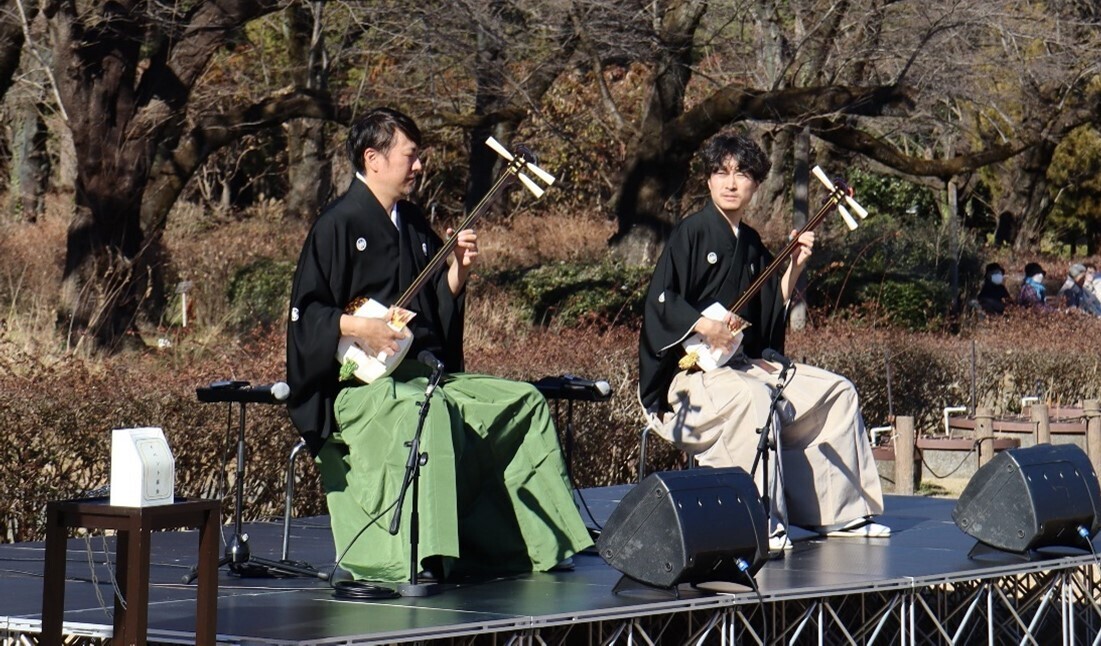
x=826, y=478
x=496, y=497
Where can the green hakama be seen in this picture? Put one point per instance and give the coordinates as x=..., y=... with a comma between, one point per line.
x=494, y=495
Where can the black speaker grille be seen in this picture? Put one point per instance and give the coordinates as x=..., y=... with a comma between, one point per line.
x=1026, y=499
x=687, y=526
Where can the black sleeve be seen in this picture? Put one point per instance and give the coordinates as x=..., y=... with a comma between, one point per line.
x=668, y=318
x=313, y=331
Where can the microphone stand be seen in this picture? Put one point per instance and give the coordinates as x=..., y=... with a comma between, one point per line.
x=237, y=555
x=765, y=443
x=413, y=465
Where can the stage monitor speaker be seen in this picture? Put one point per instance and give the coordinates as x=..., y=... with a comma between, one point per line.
x=1026, y=499
x=688, y=526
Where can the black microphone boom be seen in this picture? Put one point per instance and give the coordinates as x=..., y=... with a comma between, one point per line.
x=572, y=387
x=276, y=393
x=601, y=387
x=771, y=355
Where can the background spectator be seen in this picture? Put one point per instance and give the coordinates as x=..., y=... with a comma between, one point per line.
x=1092, y=284
x=993, y=296
x=1032, y=290
x=1074, y=294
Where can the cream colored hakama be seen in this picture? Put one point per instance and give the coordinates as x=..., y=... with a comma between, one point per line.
x=826, y=476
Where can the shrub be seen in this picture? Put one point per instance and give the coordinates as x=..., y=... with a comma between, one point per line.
x=916, y=304
x=569, y=293
x=1024, y=353
x=890, y=269
x=606, y=434
x=63, y=447
x=925, y=372
x=259, y=293
x=61, y=444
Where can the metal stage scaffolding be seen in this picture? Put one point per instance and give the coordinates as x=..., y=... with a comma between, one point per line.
x=1041, y=607
x=918, y=587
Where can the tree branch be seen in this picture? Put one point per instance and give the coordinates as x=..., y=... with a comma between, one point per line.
x=171, y=174
x=736, y=103
x=854, y=140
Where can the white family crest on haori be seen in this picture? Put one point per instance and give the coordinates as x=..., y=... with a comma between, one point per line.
x=368, y=365
x=697, y=352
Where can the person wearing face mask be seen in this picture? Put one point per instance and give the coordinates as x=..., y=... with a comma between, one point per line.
x=993, y=296
x=1074, y=293
x=1032, y=290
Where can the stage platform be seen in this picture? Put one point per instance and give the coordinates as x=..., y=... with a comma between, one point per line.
x=919, y=586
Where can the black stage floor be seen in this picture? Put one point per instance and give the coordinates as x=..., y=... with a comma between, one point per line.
x=926, y=548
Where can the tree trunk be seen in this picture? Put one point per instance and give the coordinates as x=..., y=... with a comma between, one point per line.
x=507, y=100
x=125, y=76
x=11, y=38
x=106, y=264
x=105, y=276
x=1028, y=202
x=308, y=166
x=489, y=96
x=30, y=168
x=656, y=170
x=769, y=211
x=308, y=172
x=486, y=165
x=64, y=181
x=952, y=216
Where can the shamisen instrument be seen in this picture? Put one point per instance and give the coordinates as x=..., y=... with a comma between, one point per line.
x=697, y=352
x=351, y=352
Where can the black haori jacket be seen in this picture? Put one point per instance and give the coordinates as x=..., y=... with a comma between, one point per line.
x=355, y=250
x=704, y=262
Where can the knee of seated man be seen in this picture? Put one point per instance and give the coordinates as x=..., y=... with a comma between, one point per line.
x=332, y=466
x=738, y=397
x=841, y=386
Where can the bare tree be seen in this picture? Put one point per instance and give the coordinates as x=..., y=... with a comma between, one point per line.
x=30, y=168
x=29, y=171
x=125, y=72
x=308, y=166
x=924, y=88
x=761, y=88
x=503, y=97
x=466, y=69
x=16, y=17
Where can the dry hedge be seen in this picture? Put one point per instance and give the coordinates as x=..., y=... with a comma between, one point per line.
x=58, y=414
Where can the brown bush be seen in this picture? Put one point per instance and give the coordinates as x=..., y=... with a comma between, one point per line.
x=29, y=276
x=605, y=434
x=207, y=250
x=58, y=408
x=1024, y=353
x=58, y=416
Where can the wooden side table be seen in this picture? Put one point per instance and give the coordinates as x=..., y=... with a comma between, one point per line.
x=134, y=526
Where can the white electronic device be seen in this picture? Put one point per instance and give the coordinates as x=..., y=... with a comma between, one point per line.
x=143, y=471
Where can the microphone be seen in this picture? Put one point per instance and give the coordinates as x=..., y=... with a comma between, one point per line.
x=221, y=391
x=573, y=382
x=771, y=355
x=279, y=391
x=427, y=358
